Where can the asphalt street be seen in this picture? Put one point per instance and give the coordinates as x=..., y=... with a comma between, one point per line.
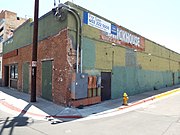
x=161, y=117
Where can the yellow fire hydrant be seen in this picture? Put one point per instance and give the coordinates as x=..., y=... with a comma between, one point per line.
x=125, y=99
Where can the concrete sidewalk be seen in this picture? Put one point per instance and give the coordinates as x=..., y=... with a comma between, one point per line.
x=17, y=103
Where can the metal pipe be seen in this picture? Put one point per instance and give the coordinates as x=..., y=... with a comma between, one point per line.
x=78, y=33
x=77, y=44
x=81, y=60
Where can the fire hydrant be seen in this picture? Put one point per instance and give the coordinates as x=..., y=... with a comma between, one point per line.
x=125, y=99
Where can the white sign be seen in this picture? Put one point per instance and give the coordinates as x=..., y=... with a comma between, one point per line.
x=97, y=23
x=111, y=30
x=34, y=63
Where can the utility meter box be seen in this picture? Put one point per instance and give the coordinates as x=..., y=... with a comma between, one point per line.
x=79, y=87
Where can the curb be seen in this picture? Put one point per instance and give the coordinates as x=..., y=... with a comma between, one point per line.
x=146, y=100
x=166, y=93
x=137, y=103
x=16, y=109
x=65, y=116
x=151, y=98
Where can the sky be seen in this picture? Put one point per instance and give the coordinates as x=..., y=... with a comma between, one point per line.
x=157, y=20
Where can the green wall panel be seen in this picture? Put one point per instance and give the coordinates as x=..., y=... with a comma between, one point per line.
x=104, y=56
x=47, y=80
x=167, y=78
x=26, y=77
x=176, y=79
x=88, y=54
x=22, y=36
x=49, y=25
x=134, y=80
x=118, y=82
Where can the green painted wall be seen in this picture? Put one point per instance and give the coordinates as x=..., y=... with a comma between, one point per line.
x=23, y=36
x=133, y=80
x=88, y=54
x=132, y=71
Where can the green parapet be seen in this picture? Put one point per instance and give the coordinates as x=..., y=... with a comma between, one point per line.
x=48, y=26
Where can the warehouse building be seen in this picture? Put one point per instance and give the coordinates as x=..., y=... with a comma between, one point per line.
x=84, y=59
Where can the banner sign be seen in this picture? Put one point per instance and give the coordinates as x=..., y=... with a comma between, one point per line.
x=111, y=32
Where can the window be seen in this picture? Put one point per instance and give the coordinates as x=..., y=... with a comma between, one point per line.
x=14, y=71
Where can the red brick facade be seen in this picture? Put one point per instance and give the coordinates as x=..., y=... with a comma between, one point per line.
x=59, y=50
x=54, y=48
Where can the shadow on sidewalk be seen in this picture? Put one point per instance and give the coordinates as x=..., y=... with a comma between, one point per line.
x=19, y=121
x=55, y=113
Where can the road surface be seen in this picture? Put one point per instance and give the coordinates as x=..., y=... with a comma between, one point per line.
x=162, y=117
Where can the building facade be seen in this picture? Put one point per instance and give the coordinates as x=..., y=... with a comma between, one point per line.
x=8, y=23
x=84, y=59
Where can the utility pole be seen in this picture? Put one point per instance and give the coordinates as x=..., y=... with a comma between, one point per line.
x=34, y=52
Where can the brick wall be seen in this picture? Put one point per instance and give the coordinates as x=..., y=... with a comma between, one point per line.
x=56, y=48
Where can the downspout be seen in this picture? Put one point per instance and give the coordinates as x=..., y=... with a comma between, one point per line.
x=78, y=33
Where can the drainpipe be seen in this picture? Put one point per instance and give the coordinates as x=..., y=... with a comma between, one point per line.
x=78, y=33
x=81, y=59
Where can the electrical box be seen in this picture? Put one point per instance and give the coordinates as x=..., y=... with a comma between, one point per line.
x=79, y=87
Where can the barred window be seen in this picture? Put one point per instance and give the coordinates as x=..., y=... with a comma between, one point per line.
x=14, y=71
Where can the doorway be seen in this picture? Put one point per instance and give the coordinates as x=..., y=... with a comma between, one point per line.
x=26, y=77
x=6, y=76
x=47, y=80
x=106, y=86
x=173, y=78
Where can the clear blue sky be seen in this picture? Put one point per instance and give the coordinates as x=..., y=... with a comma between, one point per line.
x=157, y=20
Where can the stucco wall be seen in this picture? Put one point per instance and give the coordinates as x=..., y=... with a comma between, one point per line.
x=133, y=71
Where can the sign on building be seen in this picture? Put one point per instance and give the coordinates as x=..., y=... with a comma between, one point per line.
x=112, y=32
